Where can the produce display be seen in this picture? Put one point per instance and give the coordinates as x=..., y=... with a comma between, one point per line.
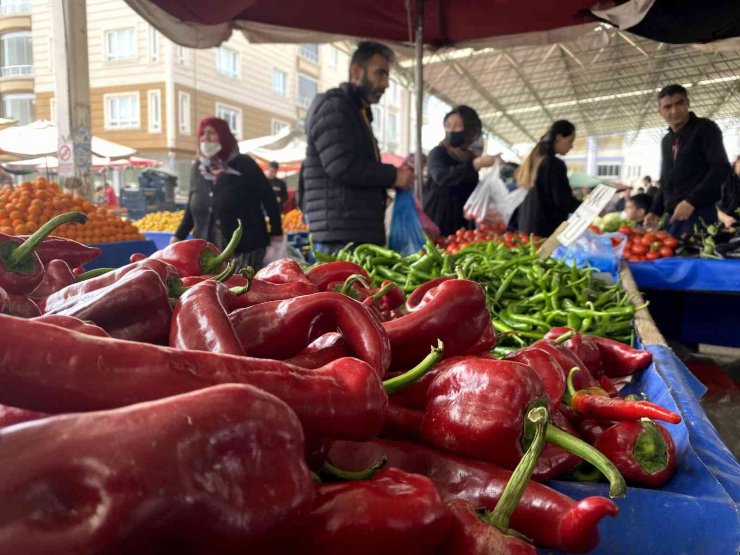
x=711, y=241
x=175, y=404
x=648, y=245
x=293, y=221
x=161, y=221
x=23, y=209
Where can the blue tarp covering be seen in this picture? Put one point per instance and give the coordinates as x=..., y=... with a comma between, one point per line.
x=697, y=511
x=688, y=274
x=116, y=255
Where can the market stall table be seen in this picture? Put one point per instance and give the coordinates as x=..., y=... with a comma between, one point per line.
x=115, y=255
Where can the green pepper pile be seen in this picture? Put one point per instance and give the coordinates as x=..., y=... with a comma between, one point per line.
x=526, y=294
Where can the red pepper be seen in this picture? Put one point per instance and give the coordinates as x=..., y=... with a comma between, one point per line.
x=608, y=385
x=10, y=416
x=73, y=324
x=325, y=274
x=619, y=359
x=326, y=348
x=402, y=423
x=588, y=428
x=439, y=317
x=195, y=257
x=21, y=270
x=547, y=368
x=18, y=305
x=551, y=519
x=281, y=329
x=556, y=461
x=567, y=360
x=393, y=512
x=217, y=471
x=473, y=534
x=50, y=369
x=200, y=321
x=136, y=307
x=166, y=273
x=415, y=298
x=235, y=280
x=596, y=403
x=59, y=248
x=582, y=346
x=477, y=408
x=57, y=276
x=282, y=271
x=643, y=451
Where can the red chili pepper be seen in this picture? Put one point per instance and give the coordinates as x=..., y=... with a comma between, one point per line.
x=59, y=248
x=261, y=291
x=446, y=306
x=215, y=470
x=643, y=451
x=619, y=359
x=325, y=274
x=135, y=308
x=551, y=519
x=567, y=360
x=608, y=386
x=596, y=403
x=477, y=408
x=57, y=276
x=547, y=369
x=588, y=428
x=166, y=273
x=393, y=512
x=414, y=301
x=195, y=257
x=21, y=270
x=582, y=346
x=73, y=324
x=18, y=305
x=281, y=329
x=326, y=348
x=200, y=321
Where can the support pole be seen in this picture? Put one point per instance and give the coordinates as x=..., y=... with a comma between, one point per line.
x=72, y=85
x=419, y=85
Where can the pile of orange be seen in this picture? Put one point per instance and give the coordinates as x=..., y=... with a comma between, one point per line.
x=26, y=207
x=293, y=221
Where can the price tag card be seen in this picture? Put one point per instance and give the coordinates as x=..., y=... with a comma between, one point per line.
x=586, y=214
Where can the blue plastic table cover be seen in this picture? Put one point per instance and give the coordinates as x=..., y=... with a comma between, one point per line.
x=161, y=238
x=115, y=255
x=688, y=274
x=697, y=510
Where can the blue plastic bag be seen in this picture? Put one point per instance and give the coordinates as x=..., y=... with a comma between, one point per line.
x=406, y=236
x=592, y=249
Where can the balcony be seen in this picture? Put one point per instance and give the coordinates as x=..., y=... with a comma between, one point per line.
x=14, y=7
x=24, y=71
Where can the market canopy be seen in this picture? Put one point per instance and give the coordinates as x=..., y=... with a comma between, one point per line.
x=52, y=163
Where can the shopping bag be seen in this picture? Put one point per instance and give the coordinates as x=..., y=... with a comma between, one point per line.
x=427, y=225
x=594, y=250
x=406, y=236
x=491, y=201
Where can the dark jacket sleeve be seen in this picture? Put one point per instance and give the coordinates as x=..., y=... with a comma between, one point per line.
x=658, y=206
x=445, y=175
x=186, y=224
x=267, y=197
x=333, y=133
x=562, y=194
x=719, y=166
x=283, y=190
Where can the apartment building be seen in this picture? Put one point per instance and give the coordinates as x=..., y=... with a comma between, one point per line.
x=149, y=93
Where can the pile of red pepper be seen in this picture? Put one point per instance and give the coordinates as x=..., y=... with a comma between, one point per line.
x=176, y=405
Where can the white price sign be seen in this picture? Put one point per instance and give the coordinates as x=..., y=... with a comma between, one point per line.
x=586, y=214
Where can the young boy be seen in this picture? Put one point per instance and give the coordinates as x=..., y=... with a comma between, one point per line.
x=637, y=207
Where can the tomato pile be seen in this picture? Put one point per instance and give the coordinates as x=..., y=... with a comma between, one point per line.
x=642, y=246
x=497, y=233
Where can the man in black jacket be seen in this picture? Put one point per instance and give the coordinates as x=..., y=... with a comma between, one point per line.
x=694, y=165
x=343, y=181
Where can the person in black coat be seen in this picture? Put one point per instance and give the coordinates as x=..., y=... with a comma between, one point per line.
x=226, y=186
x=343, y=184
x=453, y=168
x=550, y=198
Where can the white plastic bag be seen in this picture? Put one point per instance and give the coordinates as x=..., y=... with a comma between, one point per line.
x=277, y=249
x=499, y=201
x=481, y=206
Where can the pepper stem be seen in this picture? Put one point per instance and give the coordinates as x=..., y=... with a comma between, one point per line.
x=651, y=452
x=335, y=474
x=538, y=416
x=571, y=389
x=227, y=272
x=564, y=337
x=92, y=273
x=396, y=384
x=346, y=286
x=383, y=290
x=210, y=264
x=27, y=248
x=617, y=485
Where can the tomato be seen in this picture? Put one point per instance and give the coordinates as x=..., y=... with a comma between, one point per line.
x=670, y=242
x=661, y=235
x=666, y=251
x=648, y=239
x=655, y=245
x=595, y=229
x=626, y=253
x=652, y=255
x=639, y=248
x=616, y=241
x=636, y=258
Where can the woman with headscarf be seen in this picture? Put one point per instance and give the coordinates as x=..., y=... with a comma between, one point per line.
x=452, y=169
x=226, y=186
x=550, y=199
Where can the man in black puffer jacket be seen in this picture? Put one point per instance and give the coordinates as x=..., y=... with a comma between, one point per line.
x=343, y=182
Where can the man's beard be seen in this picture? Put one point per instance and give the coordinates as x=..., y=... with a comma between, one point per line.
x=370, y=93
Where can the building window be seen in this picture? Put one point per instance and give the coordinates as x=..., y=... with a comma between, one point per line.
x=392, y=94
x=309, y=52
x=120, y=45
x=9, y=7
x=391, y=126
x=182, y=55
x=279, y=82
x=154, y=111
x=378, y=113
x=227, y=62
x=53, y=110
x=333, y=56
x=17, y=54
x=153, y=44
x=51, y=54
x=19, y=107
x=232, y=116
x=122, y=111
x=278, y=126
x=183, y=112
x=308, y=87
x=608, y=170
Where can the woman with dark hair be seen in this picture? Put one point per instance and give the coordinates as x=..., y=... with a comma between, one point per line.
x=550, y=199
x=728, y=207
x=226, y=186
x=452, y=169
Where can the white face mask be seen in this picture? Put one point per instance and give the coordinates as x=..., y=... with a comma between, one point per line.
x=209, y=149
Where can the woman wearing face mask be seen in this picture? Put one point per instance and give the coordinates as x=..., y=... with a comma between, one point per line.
x=550, y=199
x=453, y=168
x=226, y=186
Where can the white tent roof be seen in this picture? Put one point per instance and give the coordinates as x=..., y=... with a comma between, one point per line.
x=40, y=138
x=287, y=146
